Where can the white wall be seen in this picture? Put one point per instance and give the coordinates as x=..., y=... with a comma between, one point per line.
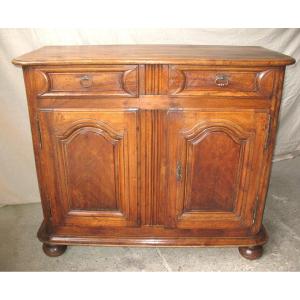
x=18, y=182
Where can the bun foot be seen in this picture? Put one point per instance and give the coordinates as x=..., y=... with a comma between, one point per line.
x=251, y=253
x=54, y=250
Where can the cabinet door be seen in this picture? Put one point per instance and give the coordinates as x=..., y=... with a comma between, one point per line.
x=89, y=161
x=214, y=165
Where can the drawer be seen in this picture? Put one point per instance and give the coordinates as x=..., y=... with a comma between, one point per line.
x=200, y=81
x=89, y=81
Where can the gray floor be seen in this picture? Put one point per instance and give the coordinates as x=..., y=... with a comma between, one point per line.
x=21, y=251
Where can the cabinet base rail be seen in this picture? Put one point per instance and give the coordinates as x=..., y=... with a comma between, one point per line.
x=250, y=247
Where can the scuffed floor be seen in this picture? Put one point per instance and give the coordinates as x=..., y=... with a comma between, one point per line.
x=21, y=251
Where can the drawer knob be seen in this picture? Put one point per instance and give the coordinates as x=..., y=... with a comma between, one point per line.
x=85, y=81
x=221, y=80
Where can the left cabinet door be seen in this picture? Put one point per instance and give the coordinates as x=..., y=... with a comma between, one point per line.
x=89, y=166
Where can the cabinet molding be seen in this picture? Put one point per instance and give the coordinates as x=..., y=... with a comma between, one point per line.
x=162, y=145
x=105, y=81
x=237, y=82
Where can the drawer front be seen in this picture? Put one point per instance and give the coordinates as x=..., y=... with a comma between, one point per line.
x=90, y=81
x=197, y=81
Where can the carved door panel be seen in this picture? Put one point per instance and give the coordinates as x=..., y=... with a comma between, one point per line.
x=90, y=164
x=215, y=160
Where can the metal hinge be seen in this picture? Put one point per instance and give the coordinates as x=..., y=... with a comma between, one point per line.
x=39, y=133
x=268, y=129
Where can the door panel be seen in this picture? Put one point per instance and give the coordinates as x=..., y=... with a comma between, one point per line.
x=218, y=153
x=213, y=168
x=94, y=158
x=90, y=160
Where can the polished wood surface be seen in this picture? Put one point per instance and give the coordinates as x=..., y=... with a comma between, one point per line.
x=231, y=82
x=54, y=250
x=155, y=54
x=219, y=154
x=112, y=80
x=153, y=145
x=91, y=158
x=251, y=253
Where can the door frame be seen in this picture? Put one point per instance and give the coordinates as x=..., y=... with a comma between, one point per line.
x=251, y=135
x=119, y=127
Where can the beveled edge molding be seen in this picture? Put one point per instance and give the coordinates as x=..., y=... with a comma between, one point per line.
x=106, y=131
x=152, y=241
x=103, y=128
x=201, y=128
x=240, y=136
x=126, y=77
x=43, y=81
x=263, y=84
x=182, y=79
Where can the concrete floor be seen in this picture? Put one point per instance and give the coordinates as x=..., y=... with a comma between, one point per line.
x=21, y=251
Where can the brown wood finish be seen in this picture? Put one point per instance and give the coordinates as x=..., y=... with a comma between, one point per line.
x=54, y=250
x=155, y=54
x=92, y=159
x=251, y=253
x=159, y=145
x=231, y=82
x=112, y=80
x=229, y=146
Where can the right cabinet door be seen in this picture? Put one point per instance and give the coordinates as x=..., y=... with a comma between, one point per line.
x=214, y=164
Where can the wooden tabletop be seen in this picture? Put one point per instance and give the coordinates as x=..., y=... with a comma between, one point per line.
x=155, y=54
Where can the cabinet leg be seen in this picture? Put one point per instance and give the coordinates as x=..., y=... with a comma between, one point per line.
x=54, y=250
x=251, y=253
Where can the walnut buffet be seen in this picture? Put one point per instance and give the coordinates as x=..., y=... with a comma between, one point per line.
x=162, y=145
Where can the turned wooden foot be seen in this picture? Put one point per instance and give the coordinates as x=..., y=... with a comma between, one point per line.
x=54, y=250
x=251, y=253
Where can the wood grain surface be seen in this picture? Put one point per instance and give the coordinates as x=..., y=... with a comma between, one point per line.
x=147, y=145
x=155, y=54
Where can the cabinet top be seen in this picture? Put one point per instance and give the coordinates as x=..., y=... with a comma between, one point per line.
x=155, y=54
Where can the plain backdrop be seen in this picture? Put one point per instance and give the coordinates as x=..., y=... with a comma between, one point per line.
x=18, y=183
